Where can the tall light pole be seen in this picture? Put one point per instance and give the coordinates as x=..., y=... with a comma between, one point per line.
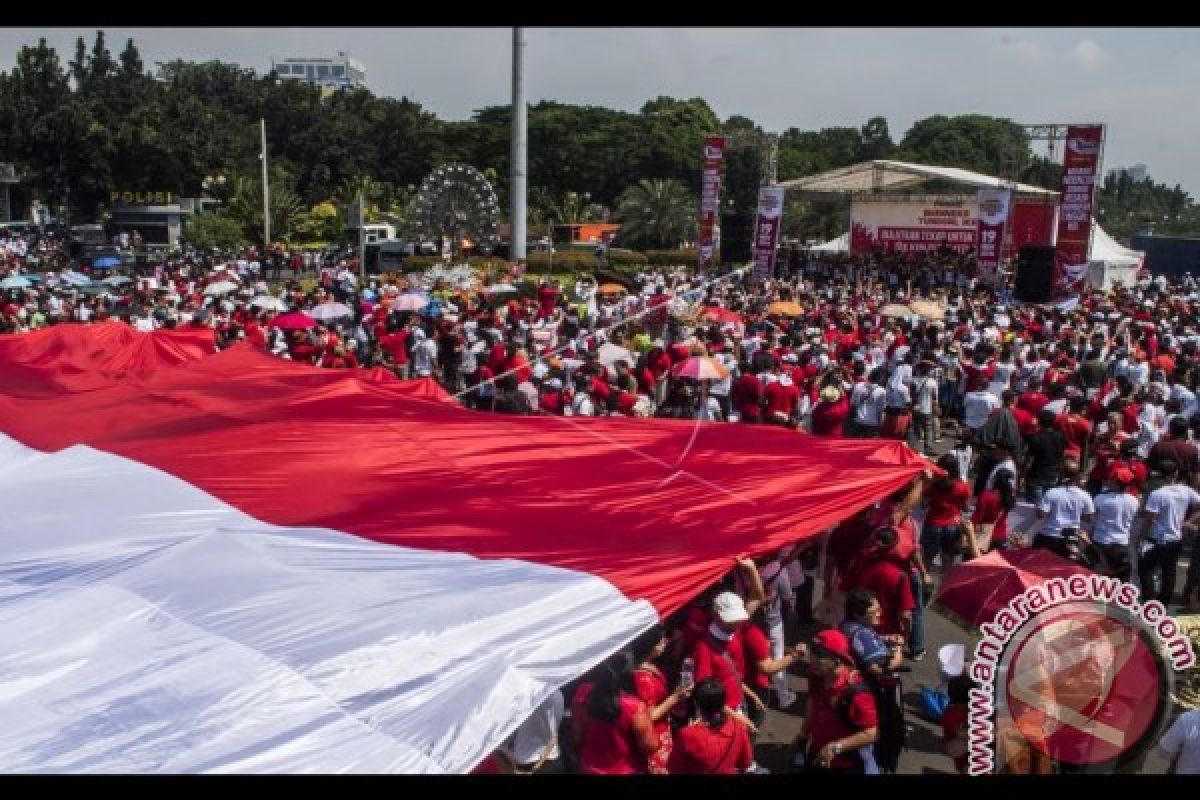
x=519, y=149
x=266, y=194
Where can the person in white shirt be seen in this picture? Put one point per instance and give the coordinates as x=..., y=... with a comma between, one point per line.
x=925, y=407
x=1181, y=744
x=867, y=404
x=978, y=405
x=424, y=356
x=1064, y=511
x=1168, y=511
x=1116, y=511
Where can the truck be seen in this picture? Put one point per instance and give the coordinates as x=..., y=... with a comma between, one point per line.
x=387, y=255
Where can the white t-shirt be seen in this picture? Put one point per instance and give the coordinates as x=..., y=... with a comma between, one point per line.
x=422, y=357
x=1170, y=503
x=582, y=405
x=977, y=407
x=1115, y=512
x=1183, y=739
x=867, y=400
x=926, y=394
x=1065, y=507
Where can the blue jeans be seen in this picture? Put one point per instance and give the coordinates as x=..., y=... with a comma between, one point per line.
x=916, y=638
x=946, y=540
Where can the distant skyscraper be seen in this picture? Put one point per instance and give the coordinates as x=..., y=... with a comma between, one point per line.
x=331, y=73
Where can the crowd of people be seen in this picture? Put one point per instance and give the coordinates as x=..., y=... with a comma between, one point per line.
x=1070, y=428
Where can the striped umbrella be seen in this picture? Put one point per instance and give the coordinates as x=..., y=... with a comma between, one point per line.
x=701, y=368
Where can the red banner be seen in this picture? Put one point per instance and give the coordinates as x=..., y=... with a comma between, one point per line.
x=1029, y=224
x=766, y=230
x=710, y=197
x=1081, y=165
x=993, y=216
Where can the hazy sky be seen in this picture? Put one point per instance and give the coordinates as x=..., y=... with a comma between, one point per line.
x=1141, y=82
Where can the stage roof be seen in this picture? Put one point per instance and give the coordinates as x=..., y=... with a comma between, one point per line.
x=885, y=176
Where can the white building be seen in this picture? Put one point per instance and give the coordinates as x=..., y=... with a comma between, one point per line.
x=331, y=73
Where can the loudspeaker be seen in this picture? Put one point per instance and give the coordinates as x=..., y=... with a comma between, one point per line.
x=1034, y=281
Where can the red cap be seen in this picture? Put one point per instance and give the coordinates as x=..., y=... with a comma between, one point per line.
x=835, y=642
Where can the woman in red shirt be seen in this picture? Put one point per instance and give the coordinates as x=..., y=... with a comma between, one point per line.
x=991, y=513
x=716, y=742
x=614, y=731
x=652, y=687
x=947, y=498
x=829, y=415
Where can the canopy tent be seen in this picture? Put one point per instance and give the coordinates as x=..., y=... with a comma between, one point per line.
x=840, y=244
x=255, y=572
x=886, y=176
x=1111, y=262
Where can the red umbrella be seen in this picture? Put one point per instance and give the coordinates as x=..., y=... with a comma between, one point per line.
x=294, y=321
x=975, y=591
x=701, y=368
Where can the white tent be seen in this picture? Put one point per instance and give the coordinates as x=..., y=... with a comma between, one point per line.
x=884, y=176
x=1111, y=262
x=839, y=245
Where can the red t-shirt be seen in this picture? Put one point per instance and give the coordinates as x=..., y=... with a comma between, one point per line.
x=828, y=419
x=660, y=365
x=891, y=586
x=394, y=344
x=1032, y=402
x=523, y=371
x=946, y=505
x=551, y=402
x=1026, y=422
x=781, y=399
x=713, y=663
x=989, y=511
x=651, y=688
x=608, y=748
x=825, y=724
x=1077, y=430
x=756, y=647
x=747, y=390
x=703, y=750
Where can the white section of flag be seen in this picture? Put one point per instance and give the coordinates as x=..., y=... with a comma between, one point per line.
x=150, y=627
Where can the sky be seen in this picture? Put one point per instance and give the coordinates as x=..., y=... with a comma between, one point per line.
x=1141, y=82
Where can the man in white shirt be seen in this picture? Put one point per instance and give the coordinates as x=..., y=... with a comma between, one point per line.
x=867, y=403
x=424, y=356
x=1064, y=510
x=1181, y=744
x=1116, y=511
x=978, y=405
x=1168, y=511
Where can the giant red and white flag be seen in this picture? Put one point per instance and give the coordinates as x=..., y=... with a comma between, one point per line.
x=233, y=563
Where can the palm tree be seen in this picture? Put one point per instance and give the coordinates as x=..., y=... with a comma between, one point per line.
x=658, y=212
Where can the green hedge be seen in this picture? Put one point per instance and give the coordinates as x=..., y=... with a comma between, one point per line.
x=581, y=261
x=674, y=258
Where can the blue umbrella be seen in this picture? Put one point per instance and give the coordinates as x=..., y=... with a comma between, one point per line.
x=15, y=282
x=106, y=261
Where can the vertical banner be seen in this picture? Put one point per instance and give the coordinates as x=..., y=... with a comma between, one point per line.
x=766, y=230
x=710, y=197
x=993, y=216
x=1081, y=165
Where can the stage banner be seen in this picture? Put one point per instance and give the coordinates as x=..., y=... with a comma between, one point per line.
x=993, y=216
x=915, y=225
x=766, y=230
x=1081, y=166
x=710, y=198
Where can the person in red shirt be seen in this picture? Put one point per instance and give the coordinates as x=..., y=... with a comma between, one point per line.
x=720, y=653
x=652, y=687
x=716, y=742
x=255, y=334
x=878, y=570
x=947, y=499
x=990, y=518
x=1033, y=399
x=954, y=721
x=1076, y=427
x=550, y=400
x=842, y=718
x=611, y=725
x=547, y=297
x=747, y=396
x=782, y=398
x=830, y=413
x=395, y=346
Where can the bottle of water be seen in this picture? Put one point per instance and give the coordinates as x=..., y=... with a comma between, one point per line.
x=687, y=672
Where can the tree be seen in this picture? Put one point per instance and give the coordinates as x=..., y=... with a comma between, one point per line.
x=659, y=213
x=213, y=230
x=972, y=141
x=876, y=142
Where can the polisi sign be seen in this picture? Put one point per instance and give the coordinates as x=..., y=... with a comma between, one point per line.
x=142, y=198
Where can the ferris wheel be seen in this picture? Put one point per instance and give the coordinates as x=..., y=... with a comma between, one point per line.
x=457, y=202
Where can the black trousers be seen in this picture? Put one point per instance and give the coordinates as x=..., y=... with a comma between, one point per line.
x=1164, y=557
x=1055, y=544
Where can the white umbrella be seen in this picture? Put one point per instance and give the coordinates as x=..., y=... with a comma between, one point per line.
x=268, y=303
x=74, y=278
x=220, y=287
x=117, y=280
x=410, y=302
x=15, y=282
x=328, y=311
x=609, y=354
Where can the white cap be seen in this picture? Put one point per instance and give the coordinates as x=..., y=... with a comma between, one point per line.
x=730, y=608
x=953, y=660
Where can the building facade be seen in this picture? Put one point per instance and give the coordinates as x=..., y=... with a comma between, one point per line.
x=341, y=72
